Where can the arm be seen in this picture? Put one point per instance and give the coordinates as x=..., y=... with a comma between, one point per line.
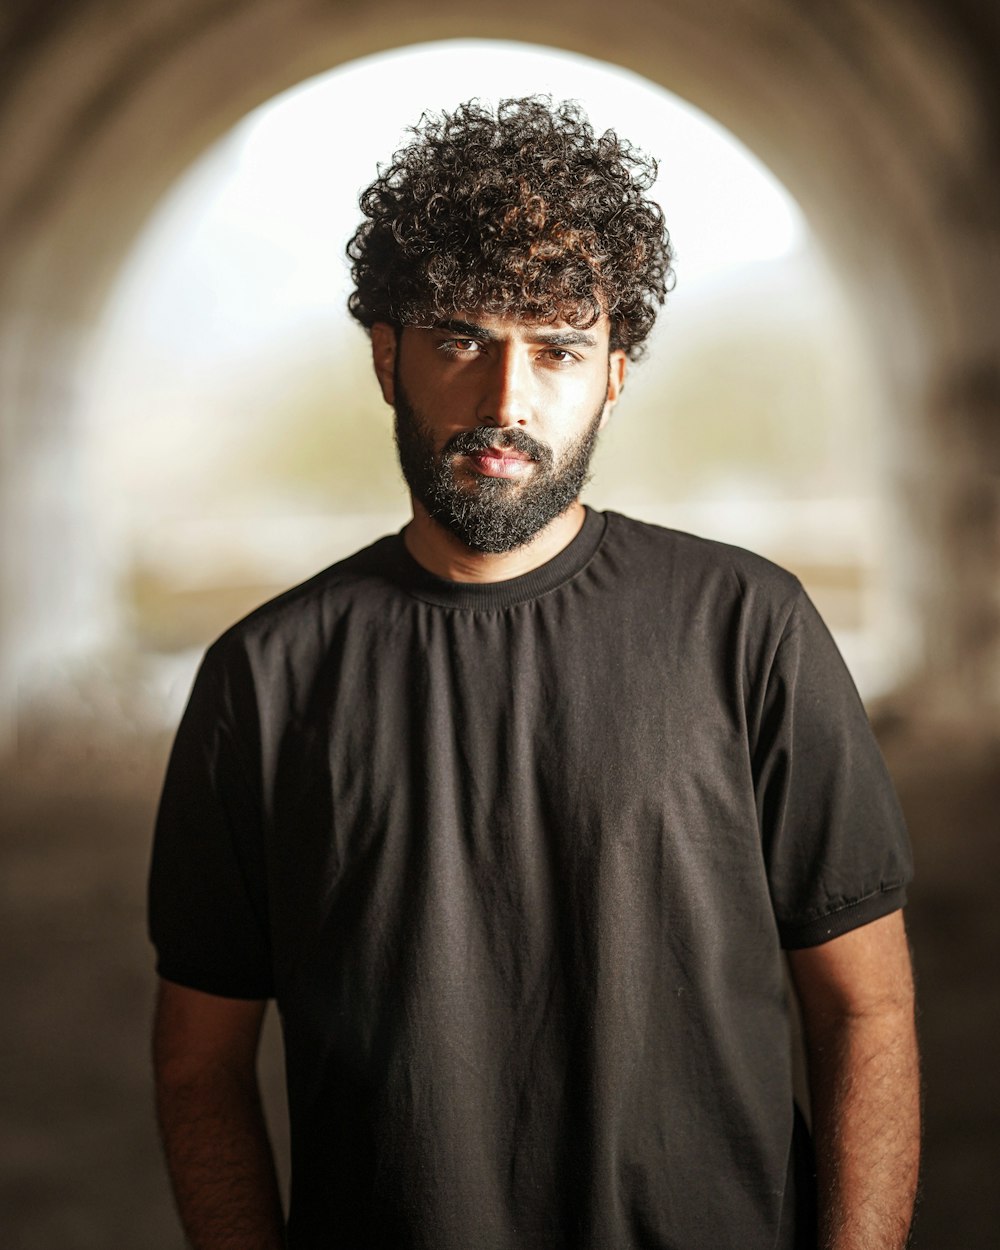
x=856, y=994
x=208, y=1106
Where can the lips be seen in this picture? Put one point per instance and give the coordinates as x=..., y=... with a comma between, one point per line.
x=501, y=461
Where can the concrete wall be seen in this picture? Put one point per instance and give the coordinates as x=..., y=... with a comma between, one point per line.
x=882, y=117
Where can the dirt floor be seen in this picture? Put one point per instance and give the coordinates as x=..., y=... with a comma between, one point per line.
x=79, y=1161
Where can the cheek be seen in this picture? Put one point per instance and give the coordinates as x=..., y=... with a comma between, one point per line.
x=573, y=401
x=442, y=398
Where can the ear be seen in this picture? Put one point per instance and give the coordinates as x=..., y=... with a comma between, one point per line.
x=617, y=362
x=385, y=344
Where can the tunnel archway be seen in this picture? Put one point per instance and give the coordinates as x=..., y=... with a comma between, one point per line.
x=881, y=116
x=874, y=118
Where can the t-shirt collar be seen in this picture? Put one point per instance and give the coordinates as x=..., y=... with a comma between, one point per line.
x=485, y=595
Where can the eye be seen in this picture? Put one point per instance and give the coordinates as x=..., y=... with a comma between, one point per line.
x=460, y=347
x=560, y=356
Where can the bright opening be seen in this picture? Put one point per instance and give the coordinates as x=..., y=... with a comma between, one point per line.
x=239, y=442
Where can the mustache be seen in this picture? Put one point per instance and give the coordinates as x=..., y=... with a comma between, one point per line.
x=484, y=437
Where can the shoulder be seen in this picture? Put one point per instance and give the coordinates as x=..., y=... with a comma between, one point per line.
x=703, y=570
x=305, y=614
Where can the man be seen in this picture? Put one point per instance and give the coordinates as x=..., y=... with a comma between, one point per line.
x=514, y=813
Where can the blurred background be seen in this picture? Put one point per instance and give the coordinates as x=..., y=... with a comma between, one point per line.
x=188, y=425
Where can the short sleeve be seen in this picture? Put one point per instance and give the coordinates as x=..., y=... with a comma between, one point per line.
x=835, y=842
x=207, y=882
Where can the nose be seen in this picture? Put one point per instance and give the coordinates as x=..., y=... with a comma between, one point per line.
x=507, y=394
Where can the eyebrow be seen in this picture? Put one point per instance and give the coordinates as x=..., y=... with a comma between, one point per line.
x=564, y=338
x=467, y=328
x=547, y=338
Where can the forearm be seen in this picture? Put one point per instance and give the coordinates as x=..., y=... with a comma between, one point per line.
x=220, y=1161
x=864, y=1082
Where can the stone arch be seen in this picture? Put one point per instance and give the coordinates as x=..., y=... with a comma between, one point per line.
x=882, y=119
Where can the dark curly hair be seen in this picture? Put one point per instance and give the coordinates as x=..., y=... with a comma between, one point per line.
x=523, y=210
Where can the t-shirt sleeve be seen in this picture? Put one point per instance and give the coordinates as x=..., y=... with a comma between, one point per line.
x=207, y=882
x=835, y=842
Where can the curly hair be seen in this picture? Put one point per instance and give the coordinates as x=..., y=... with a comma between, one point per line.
x=522, y=210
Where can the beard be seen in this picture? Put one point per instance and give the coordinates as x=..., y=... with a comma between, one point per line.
x=490, y=514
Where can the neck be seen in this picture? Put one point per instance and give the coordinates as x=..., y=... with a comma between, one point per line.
x=441, y=553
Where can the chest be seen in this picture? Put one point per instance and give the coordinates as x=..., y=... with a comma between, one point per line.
x=498, y=719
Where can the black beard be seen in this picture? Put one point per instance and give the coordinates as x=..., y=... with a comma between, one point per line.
x=492, y=514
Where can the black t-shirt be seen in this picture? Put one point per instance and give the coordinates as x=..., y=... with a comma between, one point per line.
x=517, y=861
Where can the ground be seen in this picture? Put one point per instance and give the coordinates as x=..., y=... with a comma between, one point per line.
x=79, y=1159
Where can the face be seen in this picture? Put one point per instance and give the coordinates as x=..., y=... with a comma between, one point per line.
x=496, y=419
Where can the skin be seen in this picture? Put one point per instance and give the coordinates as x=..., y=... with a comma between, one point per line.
x=209, y=1111
x=481, y=370
x=856, y=991
x=856, y=995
